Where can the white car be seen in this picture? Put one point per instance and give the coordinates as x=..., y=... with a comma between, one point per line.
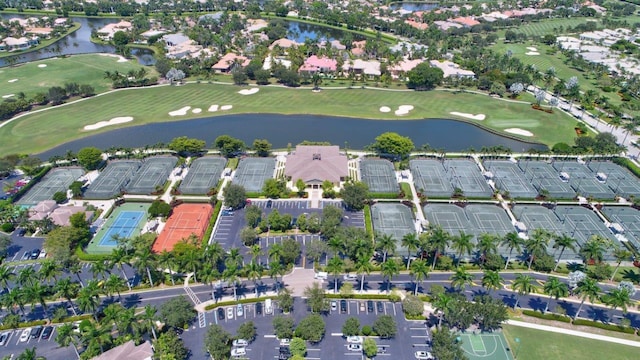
x=334, y=305
x=350, y=277
x=354, y=339
x=237, y=352
x=24, y=336
x=240, y=343
x=239, y=311
x=354, y=347
x=285, y=342
x=424, y=355
x=230, y=313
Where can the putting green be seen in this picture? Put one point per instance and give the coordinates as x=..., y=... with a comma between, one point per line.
x=40, y=131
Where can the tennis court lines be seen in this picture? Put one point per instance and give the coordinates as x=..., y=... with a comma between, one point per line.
x=203, y=174
x=379, y=175
x=56, y=180
x=544, y=176
x=430, y=178
x=619, y=179
x=465, y=175
x=509, y=177
x=154, y=172
x=112, y=179
x=252, y=173
x=485, y=346
x=123, y=226
x=393, y=219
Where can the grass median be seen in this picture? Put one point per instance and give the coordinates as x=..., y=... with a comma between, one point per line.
x=41, y=131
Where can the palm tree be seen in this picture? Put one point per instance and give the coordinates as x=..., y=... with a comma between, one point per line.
x=15, y=298
x=335, y=267
x=620, y=254
x=191, y=260
x=76, y=268
x=275, y=252
x=593, y=250
x=387, y=244
x=167, y=261
x=234, y=257
x=66, y=336
x=523, y=284
x=363, y=266
x=461, y=278
x=113, y=284
x=629, y=128
x=618, y=298
x=462, y=244
x=336, y=244
x=27, y=276
x=537, y=244
x=148, y=316
x=6, y=276
x=512, y=242
x=49, y=269
x=487, y=244
x=419, y=271
x=37, y=294
x=562, y=242
x=28, y=354
x=276, y=269
x=214, y=253
x=99, y=268
x=94, y=334
x=145, y=260
x=256, y=251
x=437, y=240
x=411, y=242
x=230, y=274
x=442, y=305
x=389, y=269
x=67, y=289
x=88, y=300
x=491, y=280
x=555, y=289
x=587, y=289
x=254, y=273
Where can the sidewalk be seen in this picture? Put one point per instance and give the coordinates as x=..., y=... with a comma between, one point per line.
x=573, y=333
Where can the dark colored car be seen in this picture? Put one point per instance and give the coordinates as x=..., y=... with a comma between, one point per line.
x=220, y=314
x=36, y=332
x=3, y=338
x=380, y=307
x=259, y=308
x=35, y=253
x=20, y=231
x=343, y=306
x=269, y=203
x=46, y=333
x=370, y=306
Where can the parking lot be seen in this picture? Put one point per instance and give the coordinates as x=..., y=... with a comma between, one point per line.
x=47, y=347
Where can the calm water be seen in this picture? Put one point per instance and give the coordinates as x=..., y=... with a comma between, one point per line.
x=299, y=32
x=417, y=6
x=78, y=43
x=356, y=133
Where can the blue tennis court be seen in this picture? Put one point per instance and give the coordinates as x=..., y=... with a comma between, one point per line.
x=124, y=225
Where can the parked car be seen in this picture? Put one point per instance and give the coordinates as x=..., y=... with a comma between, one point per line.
x=3, y=338
x=230, y=313
x=36, y=332
x=370, y=306
x=334, y=305
x=380, y=307
x=363, y=308
x=46, y=333
x=239, y=310
x=259, y=308
x=350, y=277
x=237, y=352
x=269, y=203
x=240, y=343
x=20, y=231
x=354, y=339
x=24, y=336
x=285, y=342
x=424, y=355
x=343, y=306
x=220, y=314
x=35, y=253
x=354, y=347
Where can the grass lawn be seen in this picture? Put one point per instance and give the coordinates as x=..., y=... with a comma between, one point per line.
x=548, y=26
x=41, y=131
x=537, y=344
x=82, y=69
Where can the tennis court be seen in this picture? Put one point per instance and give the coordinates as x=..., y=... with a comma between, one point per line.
x=185, y=220
x=544, y=176
x=430, y=177
x=394, y=219
x=126, y=221
x=583, y=180
x=203, y=175
x=56, y=180
x=485, y=346
x=509, y=177
x=379, y=175
x=153, y=173
x=620, y=180
x=582, y=223
x=253, y=172
x=491, y=219
x=628, y=218
x=112, y=180
x=449, y=217
x=465, y=174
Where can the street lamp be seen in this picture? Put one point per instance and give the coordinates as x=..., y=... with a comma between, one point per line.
x=515, y=355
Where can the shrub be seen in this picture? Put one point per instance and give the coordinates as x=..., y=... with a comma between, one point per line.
x=599, y=325
x=412, y=306
x=7, y=227
x=366, y=330
x=548, y=316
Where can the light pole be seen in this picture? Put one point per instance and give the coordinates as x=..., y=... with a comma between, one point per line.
x=517, y=340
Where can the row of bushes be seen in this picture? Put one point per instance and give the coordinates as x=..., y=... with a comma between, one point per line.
x=27, y=324
x=212, y=222
x=390, y=297
x=628, y=164
x=547, y=316
x=241, y=301
x=580, y=322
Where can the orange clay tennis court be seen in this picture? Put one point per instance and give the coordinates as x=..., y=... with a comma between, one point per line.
x=186, y=219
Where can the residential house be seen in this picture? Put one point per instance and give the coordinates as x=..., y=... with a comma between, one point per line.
x=283, y=43
x=446, y=25
x=179, y=46
x=40, y=32
x=452, y=69
x=128, y=351
x=316, y=164
x=22, y=43
x=358, y=47
x=106, y=32
x=400, y=70
x=229, y=62
x=315, y=64
x=370, y=68
x=270, y=60
x=466, y=21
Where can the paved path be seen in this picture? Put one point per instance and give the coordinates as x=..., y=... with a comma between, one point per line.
x=573, y=333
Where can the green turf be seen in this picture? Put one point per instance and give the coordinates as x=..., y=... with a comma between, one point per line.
x=82, y=69
x=41, y=131
x=537, y=344
x=548, y=26
x=94, y=246
x=485, y=346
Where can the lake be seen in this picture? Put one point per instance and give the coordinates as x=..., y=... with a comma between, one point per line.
x=414, y=6
x=282, y=130
x=299, y=32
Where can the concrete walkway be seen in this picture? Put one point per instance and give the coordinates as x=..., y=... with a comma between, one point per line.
x=573, y=333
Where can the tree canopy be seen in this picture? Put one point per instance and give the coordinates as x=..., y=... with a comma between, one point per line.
x=311, y=328
x=235, y=196
x=355, y=195
x=185, y=146
x=90, y=158
x=424, y=77
x=229, y=146
x=177, y=312
x=392, y=145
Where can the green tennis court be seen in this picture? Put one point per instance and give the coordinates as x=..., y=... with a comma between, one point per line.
x=485, y=346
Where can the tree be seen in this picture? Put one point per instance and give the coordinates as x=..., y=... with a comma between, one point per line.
x=618, y=298
x=411, y=242
x=177, y=312
x=335, y=266
x=186, y=146
x=537, y=244
x=291, y=250
x=562, y=242
x=369, y=347
x=315, y=249
x=90, y=157
x=235, y=196
x=298, y=347
x=170, y=346
x=120, y=38
x=248, y=235
x=424, y=77
x=386, y=243
x=412, y=306
x=419, y=271
x=283, y=327
x=391, y=144
x=59, y=197
x=217, y=342
x=587, y=289
x=311, y=328
x=385, y=326
x=159, y=208
x=174, y=75
x=462, y=244
x=523, y=284
x=461, y=278
x=351, y=327
x=247, y=331
x=62, y=241
x=620, y=254
x=389, y=269
x=491, y=280
x=437, y=240
x=593, y=249
x=316, y=299
x=66, y=336
x=262, y=147
x=363, y=266
x=446, y=345
x=6, y=276
x=512, y=241
x=355, y=195
x=229, y=146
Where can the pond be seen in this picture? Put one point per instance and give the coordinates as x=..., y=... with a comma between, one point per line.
x=299, y=32
x=414, y=6
x=282, y=130
x=78, y=43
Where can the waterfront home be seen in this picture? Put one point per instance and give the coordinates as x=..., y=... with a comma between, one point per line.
x=316, y=164
x=106, y=32
x=229, y=62
x=315, y=64
x=451, y=69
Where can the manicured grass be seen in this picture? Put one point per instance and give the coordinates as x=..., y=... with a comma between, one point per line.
x=43, y=43
x=549, y=26
x=82, y=69
x=38, y=132
x=537, y=344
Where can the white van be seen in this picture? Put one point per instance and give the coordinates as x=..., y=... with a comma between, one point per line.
x=268, y=306
x=321, y=275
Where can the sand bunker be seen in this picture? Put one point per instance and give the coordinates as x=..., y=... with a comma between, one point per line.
x=469, y=116
x=42, y=65
x=114, y=121
x=180, y=112
x=385, y=109
x=531, y=48
x=248, y=91
x=519, y=132
x=213, y=108
x=196, y=111
x=7, y=96
x=119, y=57
x=532, y=53
x=12, y=80
x=404, y=109
x=226, y=107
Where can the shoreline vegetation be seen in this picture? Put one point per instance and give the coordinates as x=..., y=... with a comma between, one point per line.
x=43, y=44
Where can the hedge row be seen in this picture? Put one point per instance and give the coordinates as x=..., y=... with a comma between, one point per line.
x=368, y=224
x=212, y=223
x=241, y=301
x=361, y=296
x=385, y=195
x=628, y=164
x=44, y=322
x=548, y=316
x=610, y=327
